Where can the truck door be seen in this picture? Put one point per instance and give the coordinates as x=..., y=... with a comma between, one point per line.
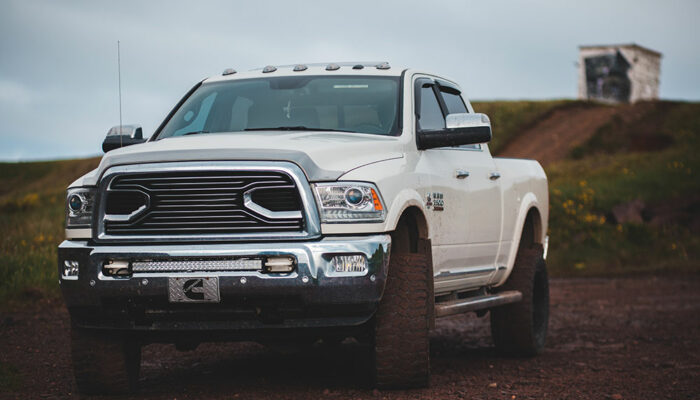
x=483, y=201
x=464, y=201
x=447, y=227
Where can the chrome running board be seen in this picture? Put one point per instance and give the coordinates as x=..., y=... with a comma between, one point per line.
x=461, y=306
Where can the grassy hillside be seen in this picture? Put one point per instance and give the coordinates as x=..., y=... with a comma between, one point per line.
x=31, y=221
x=646, y=166
x=646, y=155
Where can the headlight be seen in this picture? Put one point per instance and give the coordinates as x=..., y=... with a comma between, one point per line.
x=349, y=202
x=79, y=204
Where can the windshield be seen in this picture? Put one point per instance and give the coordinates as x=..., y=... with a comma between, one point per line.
x=363, y=104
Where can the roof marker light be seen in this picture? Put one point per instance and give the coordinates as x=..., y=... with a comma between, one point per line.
x=332, y=67
x=228, y=71
x=300, y=67
x=269, y=69
x=384, y=65
x=358, y=66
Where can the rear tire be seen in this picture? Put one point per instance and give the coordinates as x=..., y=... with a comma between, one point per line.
x=520, y=329
x=104, y=363
x=401, y=350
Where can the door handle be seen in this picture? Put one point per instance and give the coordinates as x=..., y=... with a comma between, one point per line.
x=461, y=174
x=494, y=176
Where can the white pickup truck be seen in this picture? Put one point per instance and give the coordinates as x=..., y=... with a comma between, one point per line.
x=304, y=203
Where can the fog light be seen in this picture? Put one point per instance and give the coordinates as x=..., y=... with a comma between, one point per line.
x=279, y=264
x=116, y=268
x=71, y=269
x=349, y=263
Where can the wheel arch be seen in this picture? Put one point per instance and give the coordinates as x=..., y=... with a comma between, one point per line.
x=530, y=229
x=411, y=229
x=531, y=232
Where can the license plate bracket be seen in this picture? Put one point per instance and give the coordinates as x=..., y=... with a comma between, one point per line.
x=194, y=289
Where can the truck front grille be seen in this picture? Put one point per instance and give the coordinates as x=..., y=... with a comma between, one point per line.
x=201, y=202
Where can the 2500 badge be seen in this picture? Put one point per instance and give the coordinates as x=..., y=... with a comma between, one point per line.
x=435, y=201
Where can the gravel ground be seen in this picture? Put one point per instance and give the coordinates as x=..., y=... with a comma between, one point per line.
x=628, y=338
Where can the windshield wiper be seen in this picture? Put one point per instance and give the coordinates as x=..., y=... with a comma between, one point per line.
x=297, y=128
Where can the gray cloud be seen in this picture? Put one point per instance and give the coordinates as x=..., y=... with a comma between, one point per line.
x=58, y=75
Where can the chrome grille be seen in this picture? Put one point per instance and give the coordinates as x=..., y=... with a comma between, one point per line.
x=202, y=202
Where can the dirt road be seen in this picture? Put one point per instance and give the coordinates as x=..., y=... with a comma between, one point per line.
x=631, y=338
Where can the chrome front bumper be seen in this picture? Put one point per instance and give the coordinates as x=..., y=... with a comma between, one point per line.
x=313, y=295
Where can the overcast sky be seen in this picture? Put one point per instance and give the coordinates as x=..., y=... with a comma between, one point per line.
x=58, y=59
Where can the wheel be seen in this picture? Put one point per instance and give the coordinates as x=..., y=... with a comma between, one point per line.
x=104, y=363
x=520, y=329
x=401, y=351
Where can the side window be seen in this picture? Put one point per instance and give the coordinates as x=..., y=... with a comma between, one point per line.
x=454, y=102
x=431, y=117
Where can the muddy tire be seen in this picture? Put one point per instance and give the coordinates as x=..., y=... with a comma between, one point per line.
x=104, y=363
x=520, y=329
x=401, y=351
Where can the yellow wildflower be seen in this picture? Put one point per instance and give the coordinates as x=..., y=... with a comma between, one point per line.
x=29, y=200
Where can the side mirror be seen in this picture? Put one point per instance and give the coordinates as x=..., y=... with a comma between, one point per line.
x=461, y=129
x=124, y=135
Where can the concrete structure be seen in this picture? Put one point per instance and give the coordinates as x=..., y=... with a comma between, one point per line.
x=624, y=73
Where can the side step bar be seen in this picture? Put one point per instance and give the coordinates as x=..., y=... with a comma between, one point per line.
x=461, y=306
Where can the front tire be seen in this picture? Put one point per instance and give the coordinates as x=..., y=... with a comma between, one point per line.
x=520, y=329
x=104, y=363
x=401, y=348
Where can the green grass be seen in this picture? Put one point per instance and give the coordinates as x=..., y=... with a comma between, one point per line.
x=583, y=192
x=31, y=220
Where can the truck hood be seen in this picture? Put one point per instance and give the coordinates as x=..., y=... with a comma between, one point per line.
x=323, y=156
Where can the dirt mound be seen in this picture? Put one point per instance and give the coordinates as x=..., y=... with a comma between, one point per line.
x=563, y=129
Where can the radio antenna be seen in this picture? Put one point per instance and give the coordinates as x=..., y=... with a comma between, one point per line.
x=119, y=74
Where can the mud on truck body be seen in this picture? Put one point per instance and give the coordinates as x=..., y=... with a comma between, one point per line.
x=299, y=203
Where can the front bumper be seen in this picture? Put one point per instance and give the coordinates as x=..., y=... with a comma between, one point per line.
x=312, y=296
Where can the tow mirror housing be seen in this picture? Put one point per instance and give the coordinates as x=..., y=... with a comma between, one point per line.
x=124, y=135
x=460, y=129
